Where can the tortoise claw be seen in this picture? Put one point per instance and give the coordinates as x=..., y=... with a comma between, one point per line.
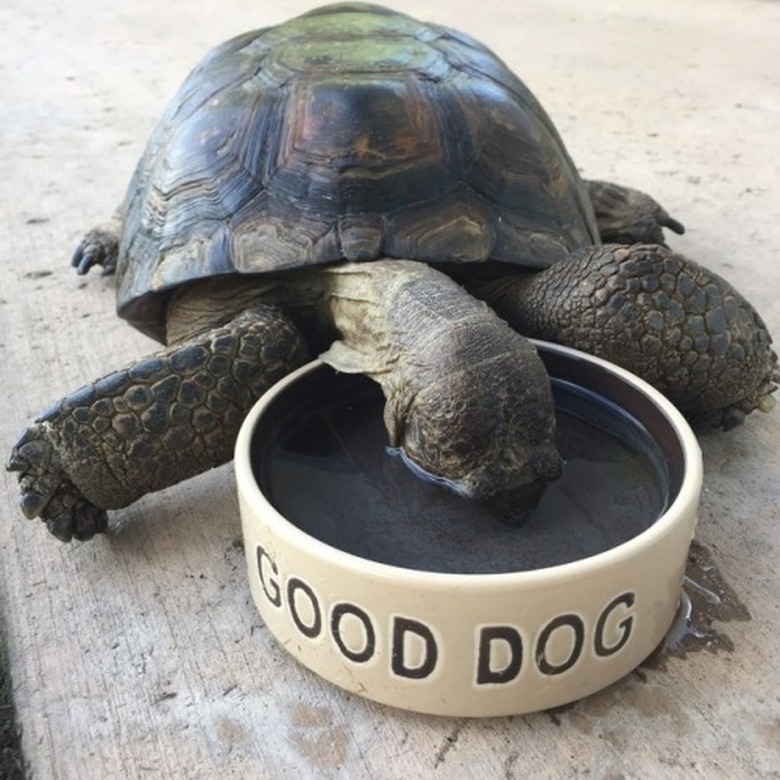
x=666, y=221
x=16, y=461
x=83, y=262
x=84, y=258
x=32, y=504
x=59, y=528
x=99, y=247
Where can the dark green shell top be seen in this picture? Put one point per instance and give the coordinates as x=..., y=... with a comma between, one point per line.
x=351, y=132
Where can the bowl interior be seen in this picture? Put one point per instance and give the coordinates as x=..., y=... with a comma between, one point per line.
x=319, y=456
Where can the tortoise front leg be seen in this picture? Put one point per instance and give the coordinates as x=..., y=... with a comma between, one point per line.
x=156, y=422
x=669, y=320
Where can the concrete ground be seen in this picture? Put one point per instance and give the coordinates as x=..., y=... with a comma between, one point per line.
x=140, y=654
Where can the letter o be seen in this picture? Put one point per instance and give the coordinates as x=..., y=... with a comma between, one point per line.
x=574, y=622
x=369, y=648
x=294, y=585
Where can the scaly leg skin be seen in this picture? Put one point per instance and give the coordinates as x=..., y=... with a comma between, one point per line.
x=100, y=246
x=672, y=322
x=628, y=216
x=165, y=418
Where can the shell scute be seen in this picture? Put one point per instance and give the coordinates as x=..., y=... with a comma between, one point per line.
x=351, y=132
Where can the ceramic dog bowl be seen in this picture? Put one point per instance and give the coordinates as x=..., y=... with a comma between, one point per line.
x=399, y=591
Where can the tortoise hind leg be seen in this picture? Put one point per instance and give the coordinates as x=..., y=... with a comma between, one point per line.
x=100, y=246
x=628, y=216
x=158, y=421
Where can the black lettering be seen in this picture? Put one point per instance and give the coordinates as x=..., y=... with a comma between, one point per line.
x=512, y=639
x=369, y=646
x=295, y=585
x=402, y=627
x=273, y=595
x=626, y=625
x=575, y=624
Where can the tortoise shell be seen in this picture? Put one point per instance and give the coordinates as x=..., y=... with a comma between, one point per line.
x=348, y=133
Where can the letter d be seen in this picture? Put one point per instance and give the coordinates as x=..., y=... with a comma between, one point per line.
x=404, y=628
x=510, y=639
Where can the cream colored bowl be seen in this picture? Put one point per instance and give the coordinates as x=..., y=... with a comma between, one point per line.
x=475, y=644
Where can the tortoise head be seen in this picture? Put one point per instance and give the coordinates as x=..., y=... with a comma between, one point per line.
x=488, y=435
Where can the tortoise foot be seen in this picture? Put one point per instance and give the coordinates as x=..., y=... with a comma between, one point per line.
x=628, y=216
x=98, y=247
x=47, y=491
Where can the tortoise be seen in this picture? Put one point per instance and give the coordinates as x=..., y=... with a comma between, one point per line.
x=388, y=193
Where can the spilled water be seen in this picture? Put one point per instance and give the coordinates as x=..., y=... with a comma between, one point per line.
x=706, y=599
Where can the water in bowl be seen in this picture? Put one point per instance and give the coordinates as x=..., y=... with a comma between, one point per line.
x=323, y=463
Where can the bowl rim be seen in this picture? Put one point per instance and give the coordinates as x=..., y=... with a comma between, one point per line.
x=687, y=495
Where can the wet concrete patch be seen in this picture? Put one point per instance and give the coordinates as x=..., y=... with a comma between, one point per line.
x=707, y=599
